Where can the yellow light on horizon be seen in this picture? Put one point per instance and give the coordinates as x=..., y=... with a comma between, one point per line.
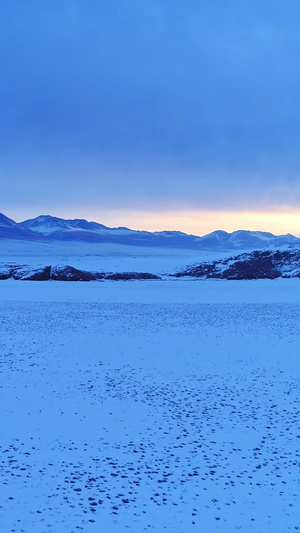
x=197, y=222
x=203, y=222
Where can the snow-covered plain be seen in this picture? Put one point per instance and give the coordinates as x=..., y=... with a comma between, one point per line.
x=106, y=257
x=150, y=406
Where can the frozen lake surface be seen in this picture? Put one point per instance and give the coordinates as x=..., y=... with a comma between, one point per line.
x=150, y=406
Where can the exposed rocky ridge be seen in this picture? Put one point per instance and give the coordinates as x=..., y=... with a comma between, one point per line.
x=254, y=265
x=66, y=273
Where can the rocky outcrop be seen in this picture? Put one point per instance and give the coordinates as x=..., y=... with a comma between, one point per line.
x=254, y=265
x=66, y=273
x=126, y=276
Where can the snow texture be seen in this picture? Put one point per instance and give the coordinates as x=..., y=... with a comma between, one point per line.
x=155, y=406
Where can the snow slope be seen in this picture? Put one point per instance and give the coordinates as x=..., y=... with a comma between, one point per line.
x=161, y=406
x=9, y=229
x=22, y=259
x=108, y=257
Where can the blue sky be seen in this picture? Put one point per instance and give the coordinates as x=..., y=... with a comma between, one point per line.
x=144, y=110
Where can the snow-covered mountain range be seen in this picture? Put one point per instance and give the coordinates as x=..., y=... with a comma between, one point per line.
x=46, y=227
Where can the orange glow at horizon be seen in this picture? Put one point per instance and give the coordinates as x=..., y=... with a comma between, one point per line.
x=202, y=222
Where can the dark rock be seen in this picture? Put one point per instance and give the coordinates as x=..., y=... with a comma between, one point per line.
x=6, y=273
x=125, y=276
x=69, y=273
x=37, y=275
x=255, y=265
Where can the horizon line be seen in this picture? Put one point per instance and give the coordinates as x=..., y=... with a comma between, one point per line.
x=198, y=223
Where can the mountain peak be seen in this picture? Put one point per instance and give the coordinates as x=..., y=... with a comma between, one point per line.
x=78, y=229
x=5, y=221
x=9, y=229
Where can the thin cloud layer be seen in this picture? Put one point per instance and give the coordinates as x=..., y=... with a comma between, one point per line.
x=143, y=104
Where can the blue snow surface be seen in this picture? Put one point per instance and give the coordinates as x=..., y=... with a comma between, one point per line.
x=150, y=406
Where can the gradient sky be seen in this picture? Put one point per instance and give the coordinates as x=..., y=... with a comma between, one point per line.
x=155, y=114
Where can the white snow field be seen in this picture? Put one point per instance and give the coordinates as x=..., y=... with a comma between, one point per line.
x=103, y=256
x=150, y=406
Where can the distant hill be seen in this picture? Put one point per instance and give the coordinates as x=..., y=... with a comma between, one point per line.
x=46, y=227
